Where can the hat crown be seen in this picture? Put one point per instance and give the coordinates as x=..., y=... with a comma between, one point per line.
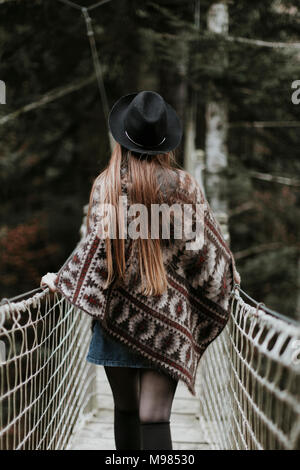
x=146, y=119
x=145, y=123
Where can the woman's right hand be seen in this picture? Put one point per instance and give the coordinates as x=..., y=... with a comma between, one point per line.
x=48, y=280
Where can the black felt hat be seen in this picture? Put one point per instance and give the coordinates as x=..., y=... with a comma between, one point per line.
x=143, y=122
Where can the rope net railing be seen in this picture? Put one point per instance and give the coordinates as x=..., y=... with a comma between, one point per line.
x=46, y=385
x=249, y=377
x=250, y=382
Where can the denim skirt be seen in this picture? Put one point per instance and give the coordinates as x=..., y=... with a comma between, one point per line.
x=108, y=351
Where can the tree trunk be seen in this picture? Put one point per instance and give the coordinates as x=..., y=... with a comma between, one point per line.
x=216, y=129
x=193, y=157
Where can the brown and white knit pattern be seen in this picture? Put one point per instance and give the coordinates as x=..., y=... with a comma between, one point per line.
x=171, y=330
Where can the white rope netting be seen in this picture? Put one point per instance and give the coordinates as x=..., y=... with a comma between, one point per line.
x=46, y=384
x=249, y=378
x=249, y=383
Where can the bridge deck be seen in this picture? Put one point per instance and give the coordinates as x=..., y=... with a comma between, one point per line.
x=97, y=432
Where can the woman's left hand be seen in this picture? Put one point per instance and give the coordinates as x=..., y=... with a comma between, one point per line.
x=48, y=280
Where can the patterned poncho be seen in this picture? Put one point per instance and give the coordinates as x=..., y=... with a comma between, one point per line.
x=171, y=330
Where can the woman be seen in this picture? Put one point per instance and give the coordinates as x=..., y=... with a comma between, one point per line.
x=156, y=302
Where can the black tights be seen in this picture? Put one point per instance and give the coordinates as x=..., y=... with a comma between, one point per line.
x=142, y=407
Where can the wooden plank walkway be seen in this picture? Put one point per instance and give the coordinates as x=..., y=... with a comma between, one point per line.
x=97, y=432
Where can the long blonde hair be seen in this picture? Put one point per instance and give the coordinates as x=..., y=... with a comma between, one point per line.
x=143, y=189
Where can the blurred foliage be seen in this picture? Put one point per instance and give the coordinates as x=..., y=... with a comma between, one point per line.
x=26, y=249
x=50, y=155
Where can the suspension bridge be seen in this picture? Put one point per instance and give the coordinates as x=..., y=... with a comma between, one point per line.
x=52, y=398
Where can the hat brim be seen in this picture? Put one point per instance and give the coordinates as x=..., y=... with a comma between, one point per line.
x=116, y=126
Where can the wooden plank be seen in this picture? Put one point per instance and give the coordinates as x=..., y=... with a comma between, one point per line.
x=188, y=419
x=101, y=433
x=98, y=432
